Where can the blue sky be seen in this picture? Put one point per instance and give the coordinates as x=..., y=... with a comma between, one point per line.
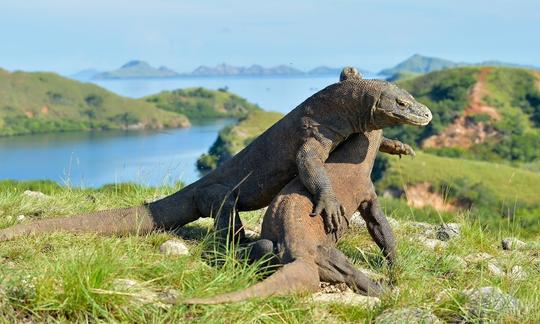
x=69, y=35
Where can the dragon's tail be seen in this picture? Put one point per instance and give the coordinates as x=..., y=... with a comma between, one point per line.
x=114, y=221
x=298, y=276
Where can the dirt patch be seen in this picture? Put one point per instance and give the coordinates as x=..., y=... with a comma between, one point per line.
x=45, y=110
x=422, y=194
x=29, y=114
x=465, y=131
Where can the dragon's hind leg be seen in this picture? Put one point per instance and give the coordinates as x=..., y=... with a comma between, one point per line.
x=334, y=267
x=219, y=201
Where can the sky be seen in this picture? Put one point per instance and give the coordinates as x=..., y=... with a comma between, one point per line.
x=66, y=36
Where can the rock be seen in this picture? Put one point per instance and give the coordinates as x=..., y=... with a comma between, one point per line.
x=357, y=220
x=478, y=257
x=512, y=243
x=448, y=231
x=394, y=223
x=328, y=288
x=174, y=247
x=252, y=235
x=495, y=270
x=488, y=303
x=345, y=298
x=407, y=315
x=141, y=294
x=154, y=199
x=21, y=218
x=517, y=273
x=35, y=194
x=432, y=244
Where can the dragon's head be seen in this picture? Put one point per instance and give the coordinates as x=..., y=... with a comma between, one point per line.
x=395, y=106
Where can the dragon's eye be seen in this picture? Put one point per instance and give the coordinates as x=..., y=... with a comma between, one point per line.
x=403, y=102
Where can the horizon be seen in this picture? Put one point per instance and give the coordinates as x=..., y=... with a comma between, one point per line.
x=67, y=36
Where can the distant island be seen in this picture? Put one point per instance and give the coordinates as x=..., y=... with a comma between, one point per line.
x=137, y=69
x=140, y=69
x=419, y=64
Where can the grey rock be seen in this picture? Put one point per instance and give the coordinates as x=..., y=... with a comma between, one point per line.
x=512, y=243
x=448, y=231
x=517, y=273
x=139, y=293
x=35, y=194
x=21, y=218
x=252, y=235
x=488, y=303
x=407, y=315
x=174, y=247
x=478, y=257
x=357, y=220
x=345, y=298
x=495, y=270
x=153, y=199
x=432, y=244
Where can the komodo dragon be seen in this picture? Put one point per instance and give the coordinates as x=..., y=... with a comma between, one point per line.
x=298, y=144
x=300, y=242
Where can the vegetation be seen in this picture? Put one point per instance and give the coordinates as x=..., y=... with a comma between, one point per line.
x=45, y=102
x=514, y=93
x=233, y=139
x=199, y=103
x=65, y=277
x=419, y=64
x=445, y=93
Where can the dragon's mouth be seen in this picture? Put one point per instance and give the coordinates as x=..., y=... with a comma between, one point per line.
x=418, y=115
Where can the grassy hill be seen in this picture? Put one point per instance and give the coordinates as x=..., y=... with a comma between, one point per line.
x=46, y=102
x=197, y=103
x=488, y=113
x=233, y=139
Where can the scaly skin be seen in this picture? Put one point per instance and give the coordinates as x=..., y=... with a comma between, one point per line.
x=298, y=144
x=301, y=243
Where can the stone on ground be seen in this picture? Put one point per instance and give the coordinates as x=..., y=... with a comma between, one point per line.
x=407, y=315
x=448, y=231
x=174, y=247
x=35, y=194
x=345, y=298
x=488, y=303
x=512, y=243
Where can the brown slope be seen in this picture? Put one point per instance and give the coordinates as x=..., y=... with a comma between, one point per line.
x=465, y=132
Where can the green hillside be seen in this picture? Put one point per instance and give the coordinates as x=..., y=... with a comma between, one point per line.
x=233, y=139
x=496, y=111
x=46, y=102
x=197, y=103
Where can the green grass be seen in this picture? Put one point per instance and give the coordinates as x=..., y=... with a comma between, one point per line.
x=197, y=103
x=46, y=102
x=65, y=277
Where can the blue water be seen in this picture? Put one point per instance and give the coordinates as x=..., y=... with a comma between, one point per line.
x=146, y=157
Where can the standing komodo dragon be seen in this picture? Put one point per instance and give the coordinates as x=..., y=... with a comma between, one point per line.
x=300, y=242
x=298, y=144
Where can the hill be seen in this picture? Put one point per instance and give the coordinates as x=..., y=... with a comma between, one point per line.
x=46, y=102
x=233, y=139
x=137, y=69
x=488, y=113
x=419, y=64
x=197, y=103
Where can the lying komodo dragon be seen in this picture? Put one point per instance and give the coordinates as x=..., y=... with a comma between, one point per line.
x=300, y=242
x=298, y=144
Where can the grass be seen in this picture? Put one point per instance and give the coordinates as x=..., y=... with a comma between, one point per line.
x=66, y=277
x=46, y=102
